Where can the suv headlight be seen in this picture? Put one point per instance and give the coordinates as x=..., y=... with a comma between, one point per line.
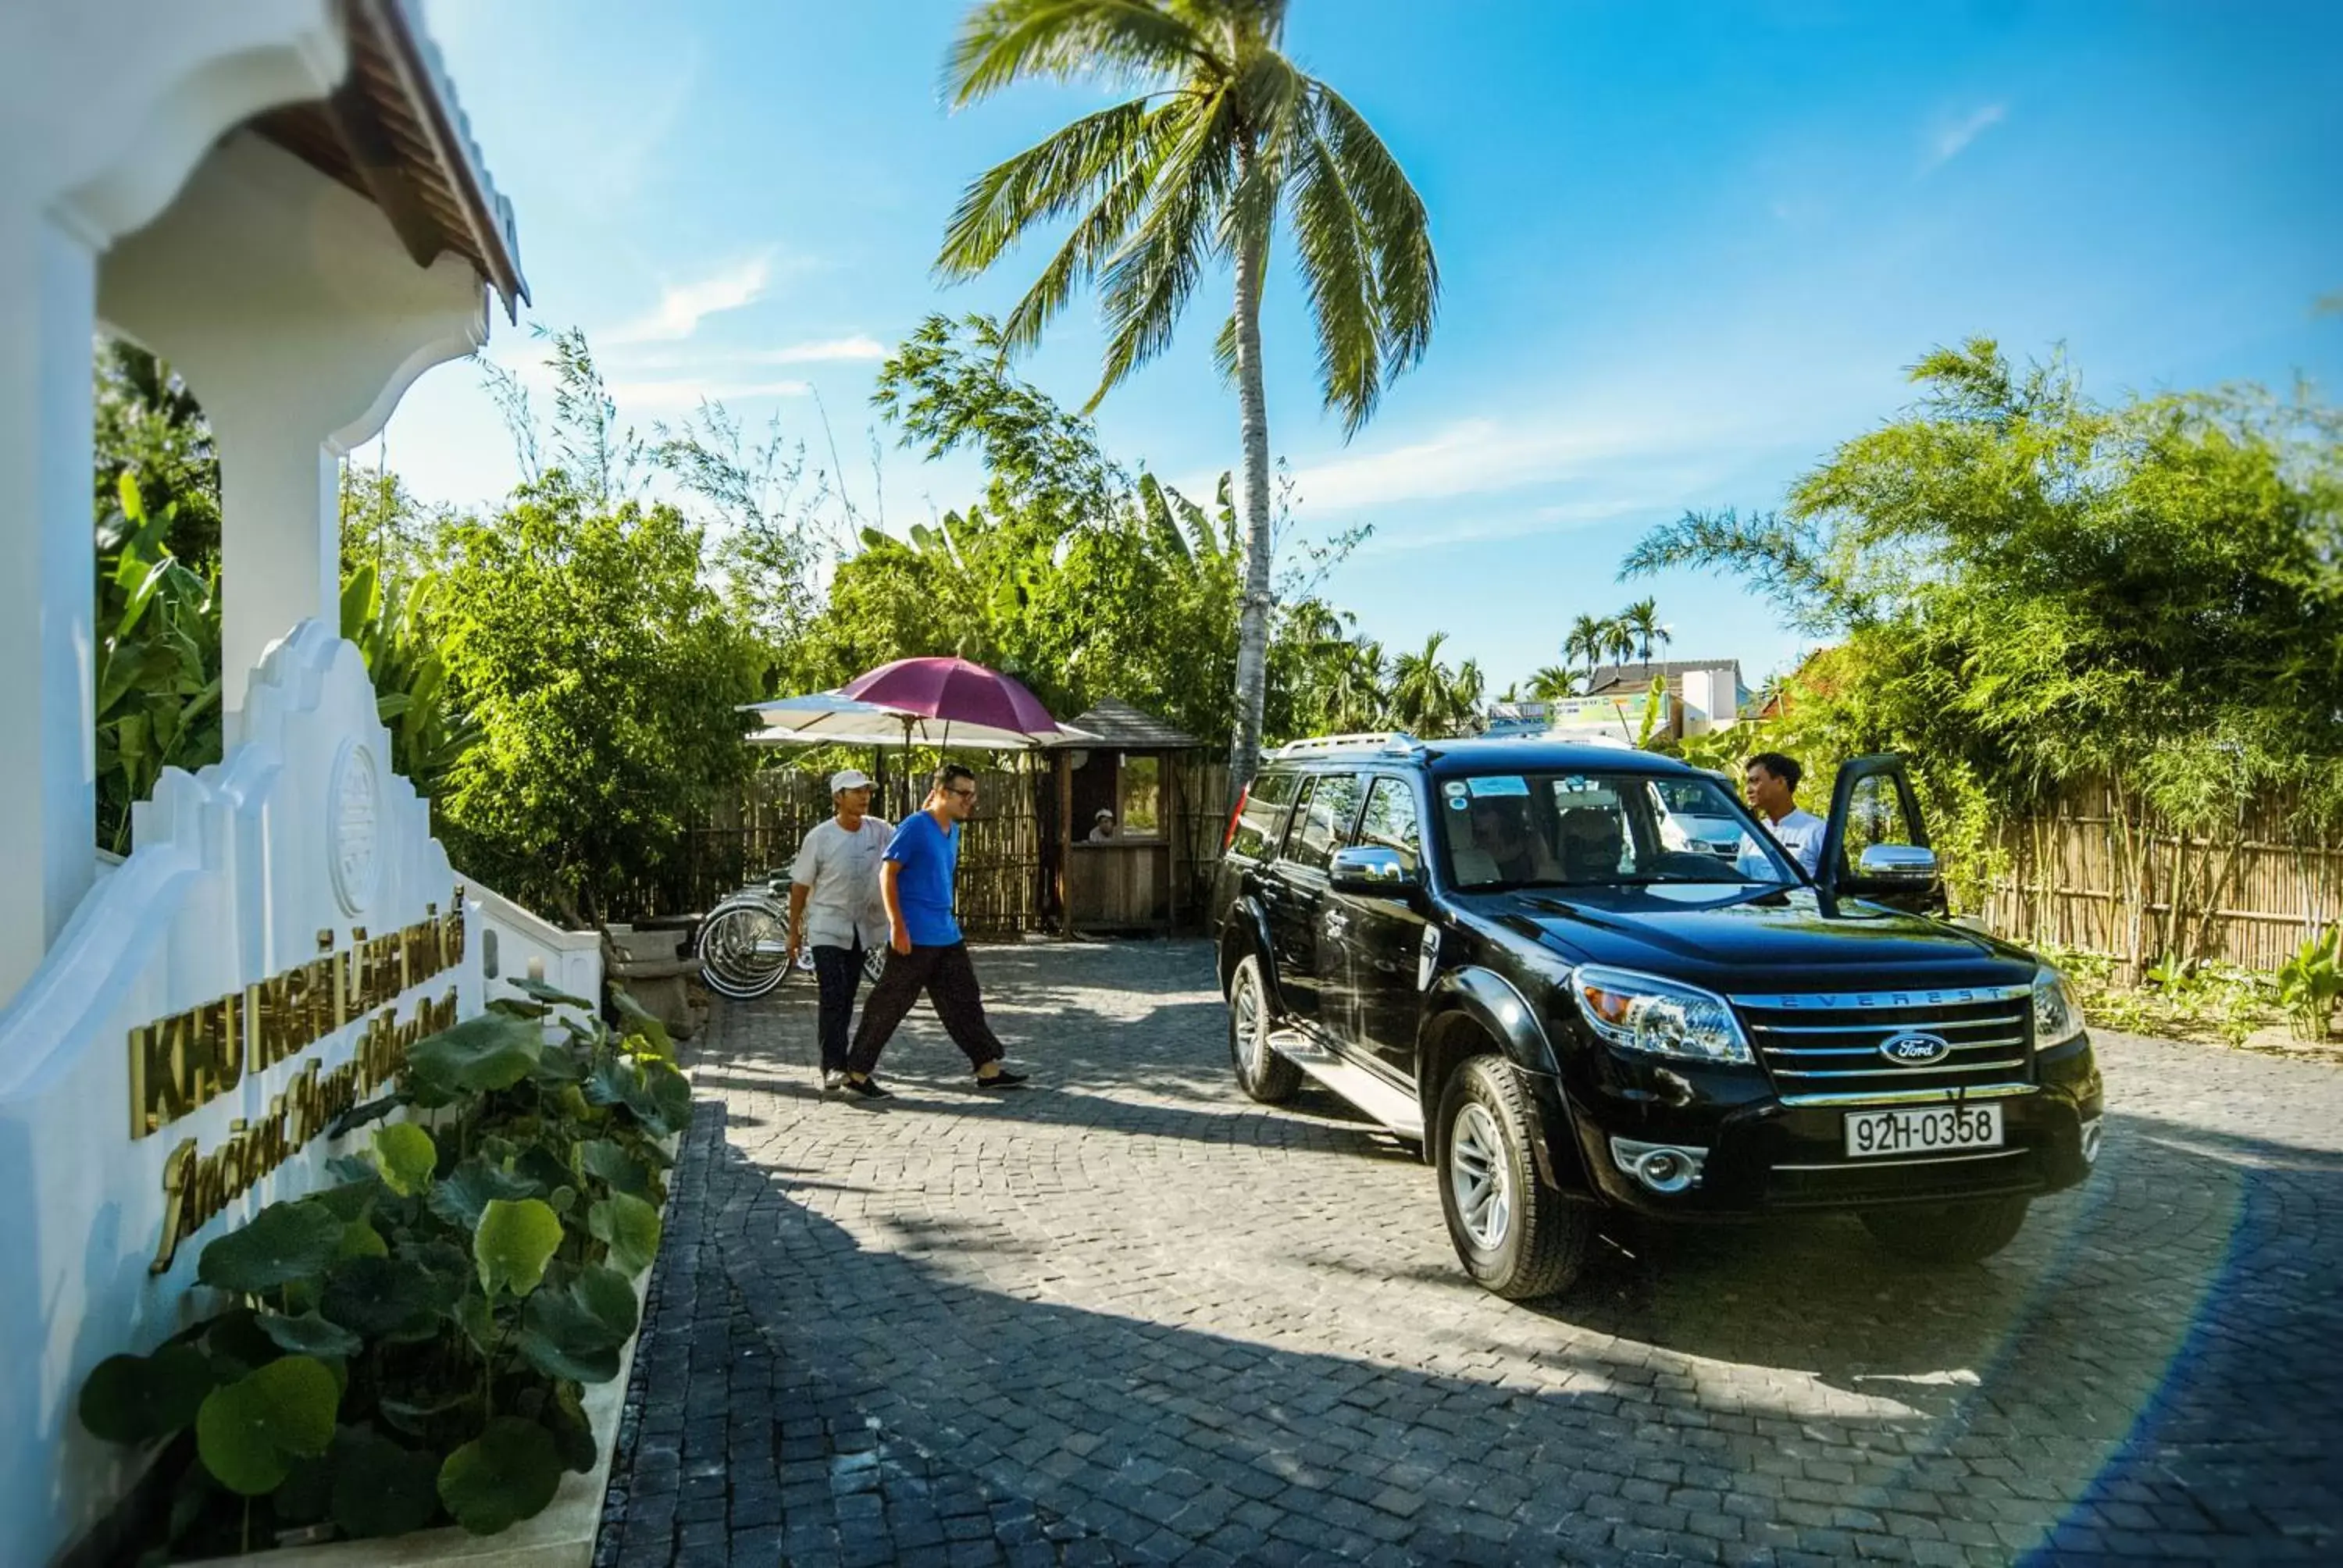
x=2057, y=1018
x=1643, y=1012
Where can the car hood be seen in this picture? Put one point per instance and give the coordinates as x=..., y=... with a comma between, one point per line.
x=1729, y=938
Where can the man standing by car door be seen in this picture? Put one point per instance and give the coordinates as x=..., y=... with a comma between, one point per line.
x=1773, y=783
x=925, y=951
x=835, y=904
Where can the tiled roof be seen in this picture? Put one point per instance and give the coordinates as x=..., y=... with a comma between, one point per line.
x=1114, y=723
x=1610, y=677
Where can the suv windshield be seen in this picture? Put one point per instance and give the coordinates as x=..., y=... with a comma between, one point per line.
x=1600, y=830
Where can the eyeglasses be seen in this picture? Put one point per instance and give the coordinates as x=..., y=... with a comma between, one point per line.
x=968, y=794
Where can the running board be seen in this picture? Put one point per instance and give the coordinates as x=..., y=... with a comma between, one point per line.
x=1394, y=1107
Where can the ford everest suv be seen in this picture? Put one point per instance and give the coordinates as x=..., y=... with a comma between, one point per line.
x=1515, y=955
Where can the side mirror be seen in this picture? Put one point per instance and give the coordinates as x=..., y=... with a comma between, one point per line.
x=1897, y=863
x=1373, y=869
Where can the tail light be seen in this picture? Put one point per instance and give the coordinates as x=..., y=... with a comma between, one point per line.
x=1230, y=836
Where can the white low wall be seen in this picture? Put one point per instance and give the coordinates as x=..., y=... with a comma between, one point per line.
x=213, y=928
x=516, y=945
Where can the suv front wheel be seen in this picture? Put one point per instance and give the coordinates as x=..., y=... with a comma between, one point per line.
x=1519, y=1238
x=1261, y=1072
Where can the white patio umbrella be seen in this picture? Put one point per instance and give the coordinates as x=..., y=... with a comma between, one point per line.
x=828, y=719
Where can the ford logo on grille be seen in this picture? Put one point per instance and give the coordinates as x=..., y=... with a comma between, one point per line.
x=1916, y=1050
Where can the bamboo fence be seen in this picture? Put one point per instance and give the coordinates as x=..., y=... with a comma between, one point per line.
x=2101, y=872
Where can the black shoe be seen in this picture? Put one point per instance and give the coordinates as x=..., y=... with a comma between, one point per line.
x=868, y=1088
x=1004, y=1079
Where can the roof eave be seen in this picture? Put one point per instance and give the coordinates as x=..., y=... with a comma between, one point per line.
x=488, y=216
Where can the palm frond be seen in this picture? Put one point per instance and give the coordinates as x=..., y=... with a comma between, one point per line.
x=1150, y=279
x=1398, y=231
x=1007, y=40
x=1224, y=348
x=1338, y=273
x=1047, y=180
x=1271, y=101
x=1103, y=230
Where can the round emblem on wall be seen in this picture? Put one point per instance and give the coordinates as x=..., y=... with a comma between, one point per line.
x=354, y=824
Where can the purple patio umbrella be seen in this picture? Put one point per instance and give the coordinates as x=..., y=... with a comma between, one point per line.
x=957, y=692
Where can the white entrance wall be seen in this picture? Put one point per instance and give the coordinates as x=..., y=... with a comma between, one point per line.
x=105, y=107
x=299, y=318
x=299, y=838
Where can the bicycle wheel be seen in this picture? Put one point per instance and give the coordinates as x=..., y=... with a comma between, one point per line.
x=743, y=950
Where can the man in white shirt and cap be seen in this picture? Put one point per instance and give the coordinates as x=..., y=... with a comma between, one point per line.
x=1771, y=780
x=835, y=906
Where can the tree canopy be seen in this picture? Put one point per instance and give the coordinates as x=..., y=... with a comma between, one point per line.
x=2030, y=588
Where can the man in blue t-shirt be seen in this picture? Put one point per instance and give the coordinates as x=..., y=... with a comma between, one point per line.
x=924, y=949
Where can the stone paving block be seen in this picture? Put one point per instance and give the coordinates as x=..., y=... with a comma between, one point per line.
x=1131, y=1312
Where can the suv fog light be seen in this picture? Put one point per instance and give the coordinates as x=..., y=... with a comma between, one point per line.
x=2091, y=1141
x=1661, y=1167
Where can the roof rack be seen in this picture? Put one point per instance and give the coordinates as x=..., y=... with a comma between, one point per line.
x=1365, y=740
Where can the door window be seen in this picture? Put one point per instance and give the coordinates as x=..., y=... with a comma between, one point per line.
x=1258, y=825
x=1876, y=814
x=1323, y=820
x=1390, y=822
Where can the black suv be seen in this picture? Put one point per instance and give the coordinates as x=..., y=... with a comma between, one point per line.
x=1541, y=964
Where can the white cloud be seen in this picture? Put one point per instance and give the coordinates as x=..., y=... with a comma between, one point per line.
x=859, y=347
x=1951, y=141
x=683, y=305
x=1481, y=455
x=703, y=356
x=690, y=393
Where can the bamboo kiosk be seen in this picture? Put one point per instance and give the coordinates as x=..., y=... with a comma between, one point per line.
x=1122, y=774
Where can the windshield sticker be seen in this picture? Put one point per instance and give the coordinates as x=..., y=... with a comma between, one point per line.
x=1500, y=784
x=1453, y=787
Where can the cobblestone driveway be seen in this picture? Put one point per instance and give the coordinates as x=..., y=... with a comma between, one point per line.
x=1130, y=1316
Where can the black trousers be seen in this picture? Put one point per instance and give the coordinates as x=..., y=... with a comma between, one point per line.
x=950, y=980
x=838, y=972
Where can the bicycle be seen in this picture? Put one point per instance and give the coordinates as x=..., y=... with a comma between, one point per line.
x=743, y=944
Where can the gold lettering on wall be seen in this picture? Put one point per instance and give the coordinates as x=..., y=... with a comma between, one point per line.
x=197, y=1187
x=190, y=1059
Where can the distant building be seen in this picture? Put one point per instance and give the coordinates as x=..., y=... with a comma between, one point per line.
x=1704, y=694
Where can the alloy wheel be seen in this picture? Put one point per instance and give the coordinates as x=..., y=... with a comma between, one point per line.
x=1479, y=1175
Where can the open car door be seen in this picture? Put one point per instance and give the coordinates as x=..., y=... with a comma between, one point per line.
x=1875, y=845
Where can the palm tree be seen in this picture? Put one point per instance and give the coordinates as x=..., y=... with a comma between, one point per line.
x=1465, y=695
x=1361, y=699
x=1419, y=695
x=1587, y=639
x=1642, y=620
x=1552, y=683
x=1195, y=171
x=1618, y=641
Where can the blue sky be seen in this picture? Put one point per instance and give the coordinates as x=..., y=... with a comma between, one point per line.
x=1686, y=249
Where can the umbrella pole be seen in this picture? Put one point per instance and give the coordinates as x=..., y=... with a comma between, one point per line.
x=908, y=807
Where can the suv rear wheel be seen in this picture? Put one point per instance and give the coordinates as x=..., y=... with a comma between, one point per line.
x=1261, y=1072
x=1517, y=1238
x=1947, y=1233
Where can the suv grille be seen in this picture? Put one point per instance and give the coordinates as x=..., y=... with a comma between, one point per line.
x=1821, y=1049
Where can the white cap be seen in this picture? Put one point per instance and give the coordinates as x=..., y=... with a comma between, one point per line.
x=849, y=779
x=1104, y=812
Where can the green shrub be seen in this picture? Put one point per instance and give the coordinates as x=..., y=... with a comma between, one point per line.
x=410, y=1347
x=2311, y=983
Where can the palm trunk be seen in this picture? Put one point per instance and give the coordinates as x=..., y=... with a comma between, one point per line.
x=1252, y=614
